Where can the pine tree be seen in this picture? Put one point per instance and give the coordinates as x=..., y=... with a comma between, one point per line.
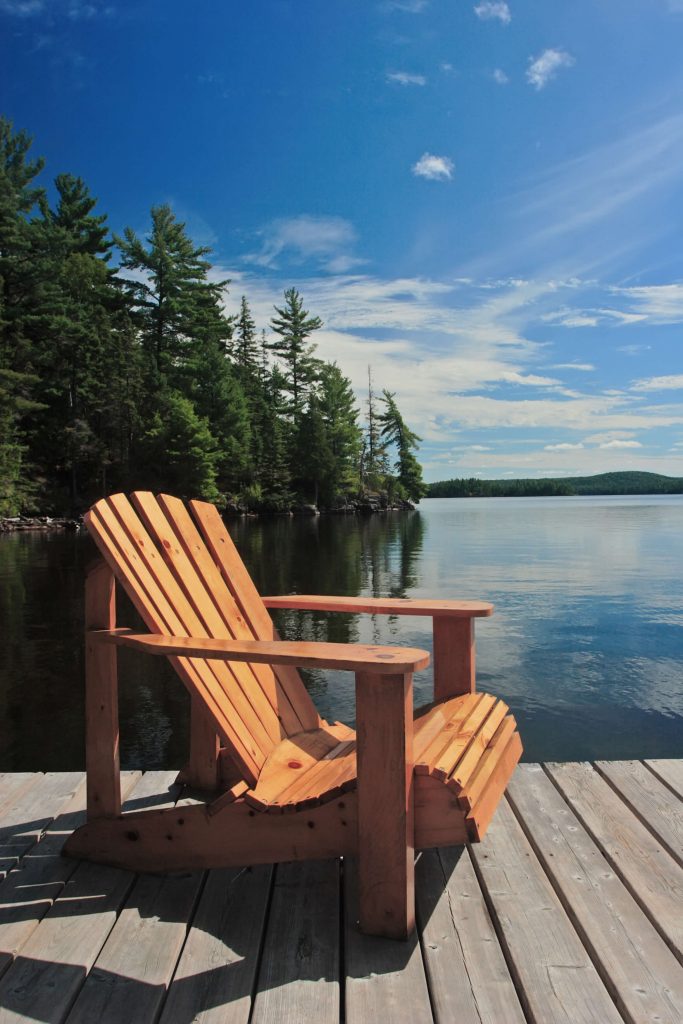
x=374, y=460
x=339, y=413
x=168, y=299
x=294, y=326
x=245, y=347
x=313, y=455
x=395, y=431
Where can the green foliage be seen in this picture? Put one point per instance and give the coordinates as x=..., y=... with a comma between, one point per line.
x=177, y=452
x=135, y=375
x=294, y=326
x=603, y=483
x=395, y=431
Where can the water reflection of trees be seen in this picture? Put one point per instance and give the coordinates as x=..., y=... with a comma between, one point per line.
x=375, y=555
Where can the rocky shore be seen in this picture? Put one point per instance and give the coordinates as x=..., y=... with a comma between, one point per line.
x=24, y=524
x=370, y=504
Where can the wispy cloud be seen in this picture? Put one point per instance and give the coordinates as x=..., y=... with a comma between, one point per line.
x=490, y=10
x=670, y=382
x=566, y=446
x=545, y=67
x=409, y=6
x=327, y=240
x=620, y=444
x=500, y=77
x=434, y=168
x=659, y=303
x=76, y=10
x=584, y=367
x=405, y=78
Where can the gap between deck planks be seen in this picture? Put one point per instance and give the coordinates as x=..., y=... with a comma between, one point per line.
x=569, y=911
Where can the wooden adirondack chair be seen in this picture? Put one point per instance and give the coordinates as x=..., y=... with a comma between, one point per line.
x=285, y=784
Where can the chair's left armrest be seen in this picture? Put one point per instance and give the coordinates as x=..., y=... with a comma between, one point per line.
x=350, y=657
x=381, y=605
x=453, y=626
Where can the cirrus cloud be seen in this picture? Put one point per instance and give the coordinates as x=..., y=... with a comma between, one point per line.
x=492, y=10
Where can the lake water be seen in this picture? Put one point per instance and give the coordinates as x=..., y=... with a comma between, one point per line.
x=585, y=644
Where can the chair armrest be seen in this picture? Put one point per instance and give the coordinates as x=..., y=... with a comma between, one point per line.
x=350, y=657
x=381, y=605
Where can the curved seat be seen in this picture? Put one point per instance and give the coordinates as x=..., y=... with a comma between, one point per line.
x=464, y=744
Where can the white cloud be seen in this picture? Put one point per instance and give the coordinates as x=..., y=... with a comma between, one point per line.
x=405, y=78
x=633, y=350
x=544, y=67
x=489, y=10
x=672, y=382
x=447, y=68
x=621, y=444
x=565, y=447
x=328, y=240
x=500, y=77
x=662, y=303
x=584, y=367
x=434, y=168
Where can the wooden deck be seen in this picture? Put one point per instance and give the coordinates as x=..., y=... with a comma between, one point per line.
x=571, y=910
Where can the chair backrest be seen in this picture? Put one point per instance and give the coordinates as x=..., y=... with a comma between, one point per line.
x=186, y=578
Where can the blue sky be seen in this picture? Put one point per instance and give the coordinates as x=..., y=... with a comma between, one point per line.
x=482, y=200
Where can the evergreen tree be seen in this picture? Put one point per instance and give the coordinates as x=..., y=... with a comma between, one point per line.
x=294, y=326
x=339, y=414
x=374, y=459
x=395, y=431
x=313, y=455
x=178, y=452
x=245, y=347
x=168, y=298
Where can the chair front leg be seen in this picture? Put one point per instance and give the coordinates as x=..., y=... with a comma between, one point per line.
x=386, y=844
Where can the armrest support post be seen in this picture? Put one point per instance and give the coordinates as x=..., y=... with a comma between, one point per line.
x=386, y=843
x=454, y=657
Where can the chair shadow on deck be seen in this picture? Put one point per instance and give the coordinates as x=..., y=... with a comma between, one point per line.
x=254, y=934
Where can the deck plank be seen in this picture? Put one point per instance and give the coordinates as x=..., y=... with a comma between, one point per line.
x=469, y=981
x=670, y=771
x=215, y=978
x=385, y=979
x=555, y=976
x=298, y=978
x=45, y=978
x=131, y=974
x=650, y=800
x=29, y=812
x=30, y=889
x=650, y=873
x=636, y=965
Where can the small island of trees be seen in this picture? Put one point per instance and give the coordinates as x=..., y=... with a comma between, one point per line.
x=136, y=377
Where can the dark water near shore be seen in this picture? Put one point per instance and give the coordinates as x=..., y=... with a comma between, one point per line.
x=586, y=643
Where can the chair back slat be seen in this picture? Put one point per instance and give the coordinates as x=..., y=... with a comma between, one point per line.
x=140, y=587
x=165, y=608
x=213, y=624
x=234, y=622
x=255, y=613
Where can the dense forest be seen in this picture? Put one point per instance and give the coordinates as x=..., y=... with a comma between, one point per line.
x=120, y=368
x=603, y=483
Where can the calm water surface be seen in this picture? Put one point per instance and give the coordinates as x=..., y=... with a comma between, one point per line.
x=586, y=642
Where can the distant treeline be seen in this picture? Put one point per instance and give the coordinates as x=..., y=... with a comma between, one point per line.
x=134, y=376
x=603, y=483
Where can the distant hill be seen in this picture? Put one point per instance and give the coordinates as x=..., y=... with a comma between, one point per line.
x=603, y=483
